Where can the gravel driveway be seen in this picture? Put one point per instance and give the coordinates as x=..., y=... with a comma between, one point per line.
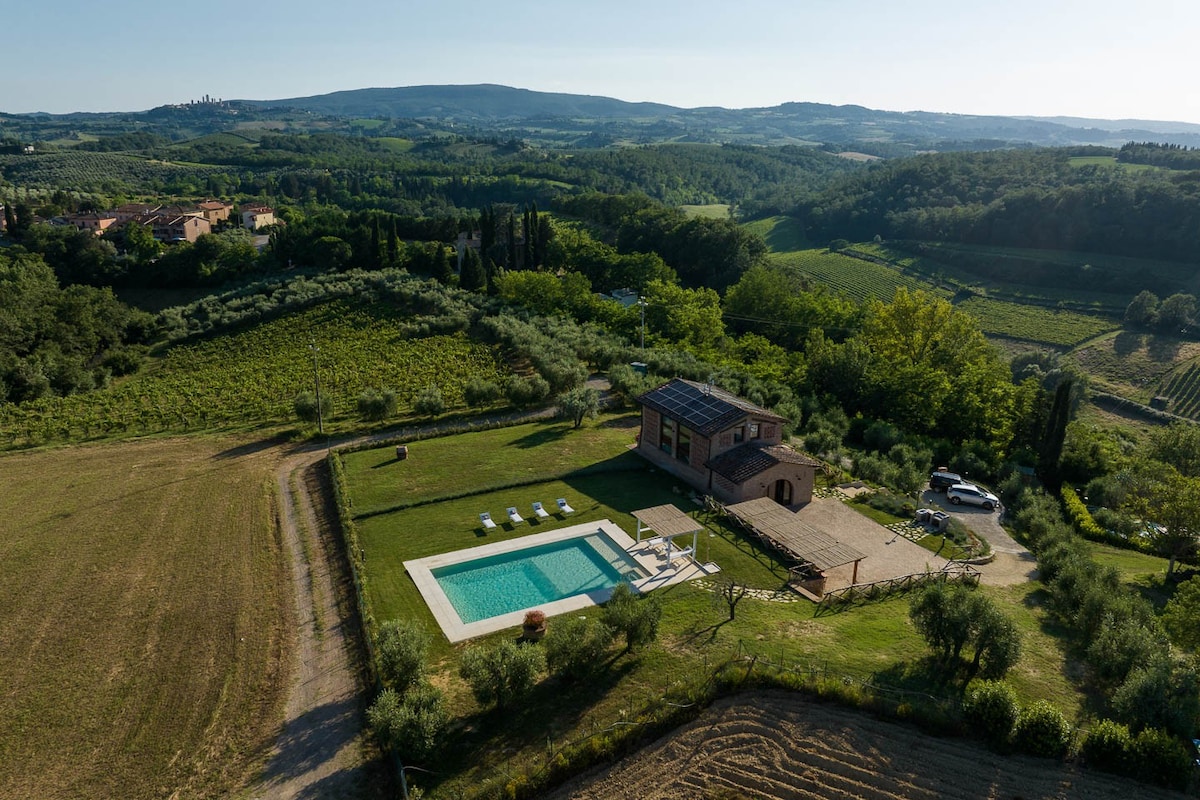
x=1012, y=564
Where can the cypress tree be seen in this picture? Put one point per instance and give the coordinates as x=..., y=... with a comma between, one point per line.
x=10, y=220
x=473, y=278
x=393, y=246
x=532, y=240
x=487, y=230
x=441, y=265
x=1055, y=436
x=512, y=241
x=373, y=259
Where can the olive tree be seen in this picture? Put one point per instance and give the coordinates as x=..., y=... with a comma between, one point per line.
x=502, y=674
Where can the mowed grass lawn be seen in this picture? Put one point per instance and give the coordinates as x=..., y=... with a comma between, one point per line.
x=144, y=627
x=873, y=642
x=472, y=462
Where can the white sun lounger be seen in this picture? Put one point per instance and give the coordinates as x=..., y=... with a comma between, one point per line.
x=486, y=519
x=563, y=507
x=513, y=516
x=541, y=512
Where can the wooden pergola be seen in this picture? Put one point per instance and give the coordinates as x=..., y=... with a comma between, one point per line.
x=667, y=522
x=780, y=529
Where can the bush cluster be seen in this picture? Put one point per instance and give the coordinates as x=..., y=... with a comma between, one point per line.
x=991, y=707
x=1042, y=730
x=1152, y=755
x=1088, y=527
x=1125, y=647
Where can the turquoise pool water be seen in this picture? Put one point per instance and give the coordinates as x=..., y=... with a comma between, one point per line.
x=495, y=585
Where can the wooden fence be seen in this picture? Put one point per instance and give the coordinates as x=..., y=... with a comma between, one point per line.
x=839, y=599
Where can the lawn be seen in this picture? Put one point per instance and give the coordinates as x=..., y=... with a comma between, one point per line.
x=782, y=234
x=710, y=211
x=146, y=606
x=502, y=456
x=873, y=642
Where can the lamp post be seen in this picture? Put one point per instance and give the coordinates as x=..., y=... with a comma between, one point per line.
x=642, y=305
x=312, y=345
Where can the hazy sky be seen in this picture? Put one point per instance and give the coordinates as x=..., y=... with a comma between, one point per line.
x=1099, y=59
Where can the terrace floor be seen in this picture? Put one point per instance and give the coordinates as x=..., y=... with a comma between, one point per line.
x=887, y=555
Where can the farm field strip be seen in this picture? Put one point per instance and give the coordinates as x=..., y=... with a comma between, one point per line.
x=1184, y=390
x=146, y=608
x=1135, y=365
x=1076, y=298
x=773, y=745
x=87, y=171
x=1035, y=323
x=853, y=277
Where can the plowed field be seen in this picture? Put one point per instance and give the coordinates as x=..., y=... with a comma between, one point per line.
x=778, y=745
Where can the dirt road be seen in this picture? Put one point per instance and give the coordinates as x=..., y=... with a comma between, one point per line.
x=320, y=752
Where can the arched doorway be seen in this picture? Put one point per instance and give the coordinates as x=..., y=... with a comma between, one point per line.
x=783, y=492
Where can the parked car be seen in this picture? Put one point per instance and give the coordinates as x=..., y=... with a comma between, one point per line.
x=972, y=495
x=941, y=480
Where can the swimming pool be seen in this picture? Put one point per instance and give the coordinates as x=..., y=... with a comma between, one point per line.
x=485, y=589
x=494, y=585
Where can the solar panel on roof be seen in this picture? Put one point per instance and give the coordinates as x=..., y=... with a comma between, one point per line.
x=704, y=412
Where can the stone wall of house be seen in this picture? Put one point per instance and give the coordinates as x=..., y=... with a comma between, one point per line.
x=651, y=423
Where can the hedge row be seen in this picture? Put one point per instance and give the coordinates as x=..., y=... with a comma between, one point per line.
x=1087, y=527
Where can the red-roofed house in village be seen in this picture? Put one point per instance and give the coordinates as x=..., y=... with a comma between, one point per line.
x=256, y=215
x=723, y=445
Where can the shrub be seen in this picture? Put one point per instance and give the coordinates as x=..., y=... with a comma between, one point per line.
x=1042, y=730
x=525, y=392
x=1181, y=613
x=635, y=618
x=992, y=707
x=479, y=392
x=1118, y=649
x=400, y=649
x=502, y=674
x=305, y=406
x=1159, y=695
x=429, y=402
x=578, y=404
x=576, y=647
x=376, y=404
x=894, y=504
x=562, y=374
x=1161, y=759
x=1108, y=747
x=412, y=726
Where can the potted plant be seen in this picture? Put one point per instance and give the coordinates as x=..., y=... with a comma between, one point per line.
x=534, y=627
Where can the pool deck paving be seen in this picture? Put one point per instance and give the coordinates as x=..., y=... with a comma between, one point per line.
x=650, y=556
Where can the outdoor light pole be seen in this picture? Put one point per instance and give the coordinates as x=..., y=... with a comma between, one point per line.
x=312, y=345
x=642, y=304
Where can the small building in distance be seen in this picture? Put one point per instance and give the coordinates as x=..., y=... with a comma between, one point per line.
x=723, y=445
x=96, y=222
x=215, y=211
x=256, y=215
x=174, y=227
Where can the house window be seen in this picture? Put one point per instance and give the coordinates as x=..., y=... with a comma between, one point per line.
x=666, y=435
x=683, y=449
x=754, y=430
x=739, y=435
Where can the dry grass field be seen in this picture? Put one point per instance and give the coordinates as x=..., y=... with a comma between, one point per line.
x=772, y=745
x=146, y=609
